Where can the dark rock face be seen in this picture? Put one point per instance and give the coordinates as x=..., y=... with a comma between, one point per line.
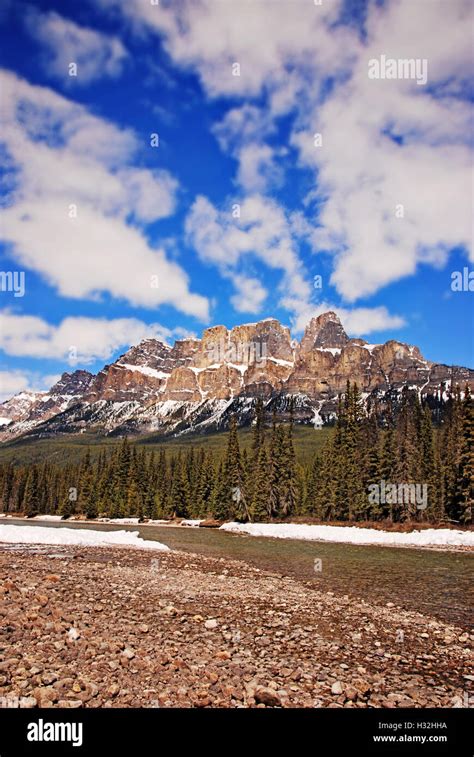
x=196, y=384
x=324, y=331
x=30, y=408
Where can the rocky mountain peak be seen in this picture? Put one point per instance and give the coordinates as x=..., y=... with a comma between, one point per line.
x=72, y=383
x=149, y=352
x=324, y=331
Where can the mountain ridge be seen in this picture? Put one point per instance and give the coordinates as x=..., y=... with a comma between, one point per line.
x=196, y=384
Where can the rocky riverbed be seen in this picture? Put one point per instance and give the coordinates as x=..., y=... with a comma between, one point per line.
x=121, y=627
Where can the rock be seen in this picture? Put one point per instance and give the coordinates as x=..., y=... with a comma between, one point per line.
x=45, y=696
x=267, y=696
x=212, y=676
x=73, y=634
x=50, y=677
x=9, y=663
x=113, y=690
x=210, y=523
x=362, y=685
x=224, y=655
x=128, y=653
x=350, y=692
x=211, y=623
x=336, y=688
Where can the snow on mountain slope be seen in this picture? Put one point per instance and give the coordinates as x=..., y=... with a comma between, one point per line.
x=196, y=384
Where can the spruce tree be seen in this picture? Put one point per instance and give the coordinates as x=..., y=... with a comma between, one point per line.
x=259, y=507
x=465, y=481
x=31, y=499
x=233, y=477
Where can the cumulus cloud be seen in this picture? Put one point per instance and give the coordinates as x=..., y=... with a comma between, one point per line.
x=78, y=200
x=250, y=294
x=394, y=169
x=241, y=133
x=95, y=54
x=267, y=38
x=82, y=340
x=262, y=231
x=392, y=178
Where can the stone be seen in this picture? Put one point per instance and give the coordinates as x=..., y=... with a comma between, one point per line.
x=267, y=696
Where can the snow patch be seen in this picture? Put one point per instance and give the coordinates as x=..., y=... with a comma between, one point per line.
x=72, y=536
x=354, y=535
x=280, y=361
x=145, y=370
x=47, y=517
x=332, y=350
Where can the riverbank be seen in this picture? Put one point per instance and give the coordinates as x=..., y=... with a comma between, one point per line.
x=111, y=627
x=418, y=536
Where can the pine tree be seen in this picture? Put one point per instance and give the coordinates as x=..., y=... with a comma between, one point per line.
x=179, y=495
x=202, y=501
x=8, y=484
x=465, y=481
x=234, y=475
x=220, y=504
x=275, y=468
x=31, y=499
x=85, y=486
x=312, y=502
x=259, y=507
x=121, y=469
x=428, y=472
x=289, y=483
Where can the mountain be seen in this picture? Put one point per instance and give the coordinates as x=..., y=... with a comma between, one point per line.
x=197, y=384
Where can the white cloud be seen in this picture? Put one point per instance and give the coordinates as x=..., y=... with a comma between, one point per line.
x=85, y=339
x=263, y=231
x=367, y=180
x=250, y=294
x=241, y=133
x=286, y=51
x=13, y=382
x=95, y=54
x=268, y=38
x=257, y=169
x=67, y=157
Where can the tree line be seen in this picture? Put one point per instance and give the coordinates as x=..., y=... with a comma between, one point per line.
x=397, y=445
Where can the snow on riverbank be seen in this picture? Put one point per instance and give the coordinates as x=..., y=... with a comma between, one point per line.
x=75, y=536
x=354, y=535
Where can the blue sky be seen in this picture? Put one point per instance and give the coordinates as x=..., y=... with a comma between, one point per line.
x=279, y=159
